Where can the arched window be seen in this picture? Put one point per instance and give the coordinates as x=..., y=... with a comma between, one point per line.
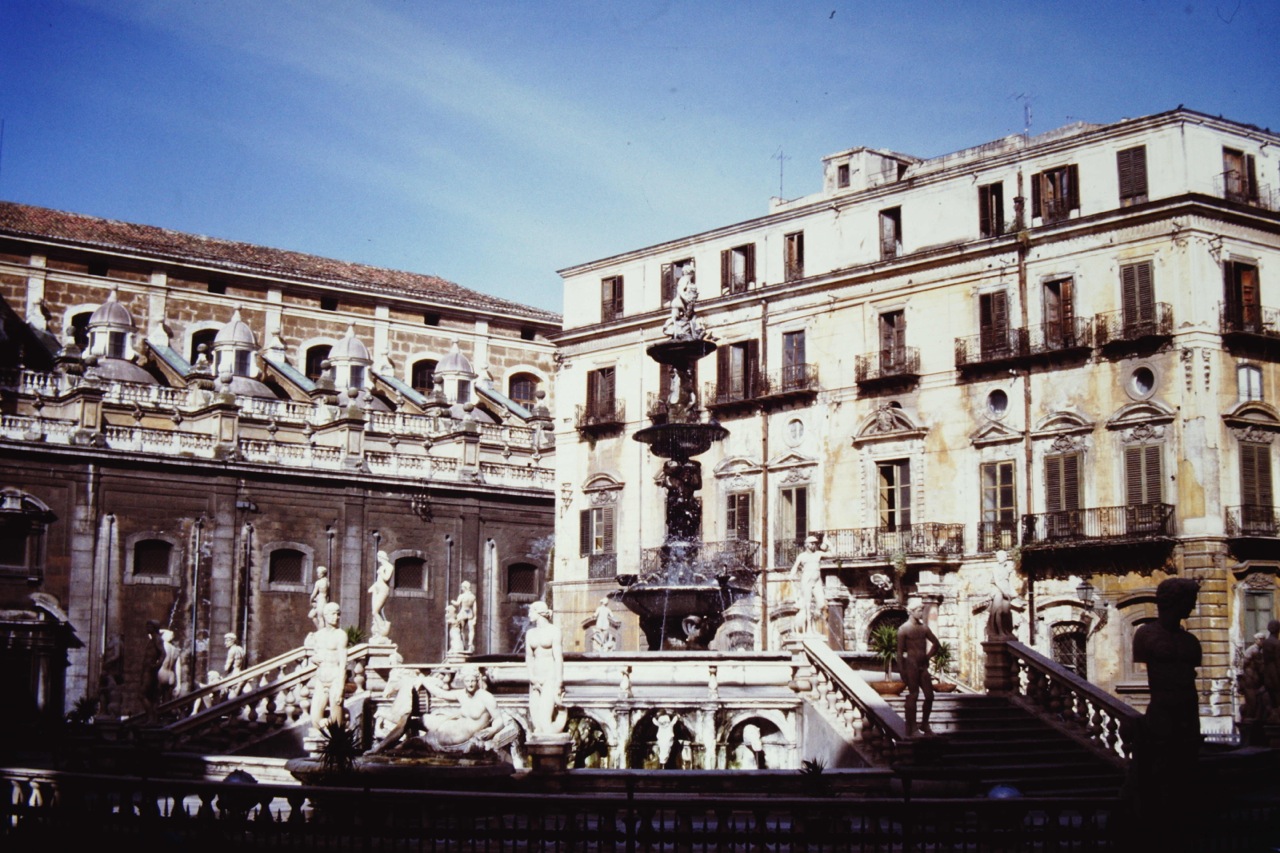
x=151, y=558
x=411, y=573
x=423, y=375
x=80, y=329
x=1069, y=647
x=315, y=360
x=206, y=337
x=23, y=520
x=522, y=579
x=287, y=566
x=522, y=388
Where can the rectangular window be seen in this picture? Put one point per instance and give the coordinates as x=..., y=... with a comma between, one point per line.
x=115, y=345
x=895, y=494
x=999, y=506
x=1062, y=495
x=286, y=566
x=1259, y=609
x=738, y=268
x=600, y=392
x=991, y=210
x=596, y=532
x=411, y=574
x=1239, y=176
x=893, y=340
x=793, y=360
x=328, y=303
x=1241, y=294
x=794, y=525
x=737, y=522
x=1138, y=298
x=890, y=233
x=1142, y=475
x=1055, y=193
x=671, y=274
x=610, y=298
x=842, y=175
x=1255, y=482
x=1131, y=164
x=738, y=366
x=794, y=260
x=1249, y=382
x=993, y=324
x=1059, y=314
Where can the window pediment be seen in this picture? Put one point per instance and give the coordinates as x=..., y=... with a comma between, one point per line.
x=1253, y=420
x=602, y=488
x=1062, y=424
x=887, y=423
x=994, y=432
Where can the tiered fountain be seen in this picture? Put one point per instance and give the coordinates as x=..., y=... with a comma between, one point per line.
x=685, y=586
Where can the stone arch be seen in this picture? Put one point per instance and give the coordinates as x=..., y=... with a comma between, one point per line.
x=643, y=744
x=776, y=745
x=591, y=741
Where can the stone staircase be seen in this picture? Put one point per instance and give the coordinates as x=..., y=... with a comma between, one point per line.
x=983, y=741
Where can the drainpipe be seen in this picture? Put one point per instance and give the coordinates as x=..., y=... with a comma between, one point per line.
x=1026, y=398
x=448, y=572
x=195, y=599
x=765, y=537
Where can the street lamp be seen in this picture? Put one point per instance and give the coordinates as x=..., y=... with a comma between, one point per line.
x=1084, y=592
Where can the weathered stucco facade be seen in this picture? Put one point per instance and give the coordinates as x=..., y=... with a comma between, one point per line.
x=1062, y=346
x=175, y=446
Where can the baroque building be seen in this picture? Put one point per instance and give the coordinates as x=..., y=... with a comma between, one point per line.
x=190, y=428
x=1063, y=347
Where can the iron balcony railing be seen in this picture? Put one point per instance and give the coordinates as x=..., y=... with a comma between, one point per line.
x=992, y=347
x=898, y=362
x=699, y=562
x=997, y=535
x=601, y=414
x=1060, y=336
x=1107, y=524
x=602, y=566
x=1118, y=326
x=1234, y=185
x=1249, y=320
x=733, y=393
x=923, y=540
x=793, y=379
x=1250, y=520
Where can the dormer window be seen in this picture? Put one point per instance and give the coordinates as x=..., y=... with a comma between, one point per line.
x=115, y=345
x=464, y=391
x=243, y=363
x=357, y=376
x=842, y=175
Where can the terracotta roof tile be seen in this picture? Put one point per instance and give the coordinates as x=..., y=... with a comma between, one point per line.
x=162, y=244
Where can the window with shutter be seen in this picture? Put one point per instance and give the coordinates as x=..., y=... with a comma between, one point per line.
x=1062, y=495
x=999, y=506
x=993, y=324
x=1242, y=299
x=794, y=261
x=1059, y=314
x=738, y=516
x=991, y=210
x=596, y=531
x=795, y=514
x=1257, y=512
x=610, y=298
x=1131, y=163
x=895, y=494
x=1138, y=299
x=893, y=339
x=890, y=233
x=737, y=371
x=671, y=274
x=1259, y=610
x=600, y=393
x=1239, y=176
x=793, y=363
x=1142, y=476
x=737, y=268
x=1055, y=193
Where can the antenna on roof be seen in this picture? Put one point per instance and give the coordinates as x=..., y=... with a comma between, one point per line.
x=782, y=159
x=1026, y=112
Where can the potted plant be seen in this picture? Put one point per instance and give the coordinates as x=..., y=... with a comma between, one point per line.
x=884, y=645
x=939, y=664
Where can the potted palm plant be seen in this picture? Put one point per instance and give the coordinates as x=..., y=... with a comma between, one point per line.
x=884, y=645
x=939, y=665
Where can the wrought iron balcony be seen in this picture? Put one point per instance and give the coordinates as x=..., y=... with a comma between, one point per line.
x=997, y=535
x=1061, y=337
x=700, y=562
x=601, y=416
x=929, y=540
x=1253, y=521
x=992, y=349
x=602, y=566
x=728, y=395
x=1234, y=185
x=1125, y=327
x=798, y=380
x=888, y=366
x=1098, y=526
x=1248, y=321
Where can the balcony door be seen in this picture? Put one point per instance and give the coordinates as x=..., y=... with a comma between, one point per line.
x=1144, y=512
x=1062, y=496
x=993, y=324
x=1257, y=515
x=1243, y=302
x=1059, y=314
x=893, y=341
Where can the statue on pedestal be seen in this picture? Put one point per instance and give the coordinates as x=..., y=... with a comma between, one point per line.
x=916, y=647
x=544, y=658
x=329, y=652
x=319, y=597
x=465, y=604
x=379, y=592
x=806, y=579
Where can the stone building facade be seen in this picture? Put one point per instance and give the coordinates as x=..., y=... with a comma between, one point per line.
x=1062, y=346
x=191, y=427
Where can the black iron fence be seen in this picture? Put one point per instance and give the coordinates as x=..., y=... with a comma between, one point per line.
x=1116, y=326
x=1249, y=319
x=601, y=414
x=887, y=364
x=1140, y=522
x=1253, y=520
x=698, y=562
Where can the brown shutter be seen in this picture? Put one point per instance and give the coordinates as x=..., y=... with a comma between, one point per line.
x=750, y=264
x=1251, y=175
x=593, y=390
x=904, y=494
x=668, y=283
x=1133, y=476
x=1255, y=475
x=606, y=520
x=1146, y=294
x=984, y=211
x=1073, y=188
x=1037, y=194
x=1053, y=483
x=617, y=296
x=726, y=271
x=752, y=372
x=584, y=533
x=1071, y=481
x=724, y=368
x=802, y=512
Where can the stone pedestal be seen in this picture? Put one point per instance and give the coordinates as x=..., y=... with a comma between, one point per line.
x=999, y=669
x=548, y=753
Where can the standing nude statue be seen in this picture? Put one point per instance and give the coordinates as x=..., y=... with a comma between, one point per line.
x=806, y=575
x=379, y=592
x=544, y=658
x=169, y=675
x=330, y=679
x=1000, y=611
x=916, y=647
x=319, y=597
x=152, y=658
x=466, y=605
x=235, y=655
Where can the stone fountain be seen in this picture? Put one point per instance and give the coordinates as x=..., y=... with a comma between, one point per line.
x=684, y=587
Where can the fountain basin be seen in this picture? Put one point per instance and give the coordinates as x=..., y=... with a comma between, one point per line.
x=681, y=441
x=664, y=609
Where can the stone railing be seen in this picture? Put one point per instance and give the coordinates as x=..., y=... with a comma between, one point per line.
x=1056, y=692
x=876, y=729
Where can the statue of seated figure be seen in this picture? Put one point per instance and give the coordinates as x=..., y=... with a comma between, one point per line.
x=458, y=721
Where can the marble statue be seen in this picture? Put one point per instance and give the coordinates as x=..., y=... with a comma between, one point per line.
x=604, y=633
x=235, y=655
x=806, y=578
x=454, y=626
x=1271, y=666
x=152, y=659
x=169, y=675
x=544, y=659
x=329, y=652
x=319, y=597
x=1000, y=608
x=665, y=723
x=916, y=647
x=379, y=592
x=1256, y=703
x=683, y=325
x=754, y=744
x=462, y=720
x=466, y=611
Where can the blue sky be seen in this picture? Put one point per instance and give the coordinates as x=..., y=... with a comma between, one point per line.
x=493, y=143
